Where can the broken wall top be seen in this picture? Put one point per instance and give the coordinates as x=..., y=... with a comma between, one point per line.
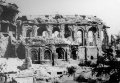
x=8, y=11
x=45, y=41
x=9, y=5
x=61, y=19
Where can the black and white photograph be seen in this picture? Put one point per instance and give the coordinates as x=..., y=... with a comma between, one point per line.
x=59, y=41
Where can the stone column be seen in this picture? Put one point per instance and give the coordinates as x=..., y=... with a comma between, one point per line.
x=68, y=53
x=53, y=54
x=42, y=53
x=86, y=34
x=99, y=44
x=99, y=33
x=24, y=31
x=94, y=39
x=83, y=35
x=96, y=36
x=74, y=32
x=86, y=38
x=62, y=30
x=35, y=30
x=49, y=29
x=27, y=51
x=19, y=29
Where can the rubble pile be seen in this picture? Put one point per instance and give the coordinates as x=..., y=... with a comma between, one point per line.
x=66, y=18
x=10, y=64
x=3, y=45
x=47, y=73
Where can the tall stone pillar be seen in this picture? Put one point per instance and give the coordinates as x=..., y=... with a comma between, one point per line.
x=68, y=53
x=94, y=39
x=53, y=54
x=74, y=32
x=19, y=29
x=27, y=51
x=99, y=44
x=86, y=34
x=42, y=53
x=35, y=30
x=24, y=31
x=99, y=33
x=49, y=29
x=62, y=30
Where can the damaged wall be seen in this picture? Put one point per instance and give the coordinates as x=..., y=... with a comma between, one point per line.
x=8, y=13
x=81, y=31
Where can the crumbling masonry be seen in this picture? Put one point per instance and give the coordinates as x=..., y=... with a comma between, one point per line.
x=8, y=29
x=50, y=38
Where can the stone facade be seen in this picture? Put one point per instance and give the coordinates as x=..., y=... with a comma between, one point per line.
x=63, y=37
x=8, y=28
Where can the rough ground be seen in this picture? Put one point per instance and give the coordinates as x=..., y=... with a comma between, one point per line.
x=44, y=73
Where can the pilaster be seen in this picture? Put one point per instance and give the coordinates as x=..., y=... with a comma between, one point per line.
x=49, y=30
x=62, y=32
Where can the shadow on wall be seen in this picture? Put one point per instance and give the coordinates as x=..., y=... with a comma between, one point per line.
x=10, y=50
x=21, y=51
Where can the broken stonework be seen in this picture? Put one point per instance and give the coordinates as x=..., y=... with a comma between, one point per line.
x=26, y=64
x=3, y=45
x=10, y=49
x=20, y=51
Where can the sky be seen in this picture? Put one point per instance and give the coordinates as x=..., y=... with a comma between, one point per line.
x=107, y=10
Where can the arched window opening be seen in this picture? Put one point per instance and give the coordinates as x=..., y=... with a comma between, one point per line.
x=92, y=36
x=34, y=55
x=68, y=32
x=74, y=52
x=45, y=34
x=29, y=33
x=56, y=34
x=61, y=53
x=56, y=31
x=80, y=37
x=47, y=54
x=41, y=29
x=55, y=28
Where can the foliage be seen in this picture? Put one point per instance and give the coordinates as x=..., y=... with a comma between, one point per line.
x=71, y=70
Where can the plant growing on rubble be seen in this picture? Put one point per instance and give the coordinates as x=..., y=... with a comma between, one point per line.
x=108, y=65
x=3, y=77
x=80, y=78
x=71, y=70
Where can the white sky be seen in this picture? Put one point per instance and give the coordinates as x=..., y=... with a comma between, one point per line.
x=107, y=10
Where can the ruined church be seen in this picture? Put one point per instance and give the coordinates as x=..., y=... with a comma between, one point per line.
x=62, y=37
x=48, y=38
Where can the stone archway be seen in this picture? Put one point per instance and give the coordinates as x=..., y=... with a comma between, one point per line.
x=92, y=36
x=34, y=55
x=74, y=52
x=61, y=53
x=68, y=31
x=41, y=29
x=29, y=33
x=56, y=31
x=80, y=37
x=47, y=54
